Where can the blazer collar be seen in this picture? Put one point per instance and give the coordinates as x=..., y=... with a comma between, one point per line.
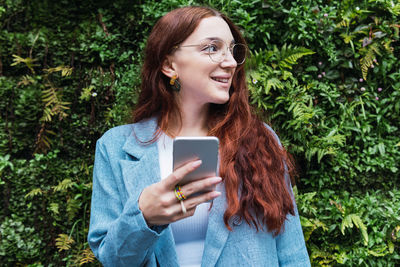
x=137, y=142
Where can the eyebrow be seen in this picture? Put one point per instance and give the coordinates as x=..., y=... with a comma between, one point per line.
x=217, y=38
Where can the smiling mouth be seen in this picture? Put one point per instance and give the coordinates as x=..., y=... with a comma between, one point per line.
x=221, y=80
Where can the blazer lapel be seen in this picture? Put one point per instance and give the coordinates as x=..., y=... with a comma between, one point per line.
x=141, y=168
x=217, y=233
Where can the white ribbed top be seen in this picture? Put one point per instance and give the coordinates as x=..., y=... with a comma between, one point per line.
x=189, y=233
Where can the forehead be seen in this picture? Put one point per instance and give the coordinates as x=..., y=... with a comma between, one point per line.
x=210, y=27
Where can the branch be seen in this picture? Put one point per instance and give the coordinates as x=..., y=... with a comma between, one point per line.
x=100, y=18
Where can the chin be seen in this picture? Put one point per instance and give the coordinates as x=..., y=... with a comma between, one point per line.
x=221, y=100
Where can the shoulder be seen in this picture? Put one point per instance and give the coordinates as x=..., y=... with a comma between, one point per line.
x=129, y=139
x=273, y=133
x=117, y=134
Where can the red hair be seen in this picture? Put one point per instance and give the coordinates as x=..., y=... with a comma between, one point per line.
x=252, y=162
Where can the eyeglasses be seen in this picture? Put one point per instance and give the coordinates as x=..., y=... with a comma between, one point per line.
x=217, y=50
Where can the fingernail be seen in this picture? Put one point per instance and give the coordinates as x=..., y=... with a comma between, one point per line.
x=216, y=180
x=196, y=163
x=215, y=194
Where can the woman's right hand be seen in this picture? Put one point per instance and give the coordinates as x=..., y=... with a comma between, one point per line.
x=159, y=204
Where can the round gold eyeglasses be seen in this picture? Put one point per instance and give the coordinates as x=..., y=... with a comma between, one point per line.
x=217, y=50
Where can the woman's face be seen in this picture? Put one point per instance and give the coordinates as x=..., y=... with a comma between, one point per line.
x=202, y=80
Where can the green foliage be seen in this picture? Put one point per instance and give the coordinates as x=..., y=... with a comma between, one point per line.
x=18, y=241
x=332, y=240
x=325, y=74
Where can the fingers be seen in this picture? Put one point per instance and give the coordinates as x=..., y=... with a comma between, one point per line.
x=196, y=200
x=179, y=173
x=191, y=204
x=180, y=215
x=205, y=184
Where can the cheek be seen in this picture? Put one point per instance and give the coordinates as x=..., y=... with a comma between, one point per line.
x=194, y=79
x=195, y=75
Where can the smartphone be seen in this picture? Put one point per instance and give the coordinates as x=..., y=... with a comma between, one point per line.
x=205, y=148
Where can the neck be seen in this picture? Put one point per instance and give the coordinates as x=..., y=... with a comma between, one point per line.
x=194, y=120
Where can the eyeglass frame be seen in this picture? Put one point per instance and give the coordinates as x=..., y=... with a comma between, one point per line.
x=227, y=47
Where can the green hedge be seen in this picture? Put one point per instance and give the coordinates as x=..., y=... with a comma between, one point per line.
x=325, y=74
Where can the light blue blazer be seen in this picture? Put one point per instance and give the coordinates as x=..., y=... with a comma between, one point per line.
x=119, y=235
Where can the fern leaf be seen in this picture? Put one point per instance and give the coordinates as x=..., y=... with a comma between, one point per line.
x=325, y=257
x=365, y=63
x=360, y=225
x=347, y=38
x=47, y=114
x=87, y=91
x=29, y=62
x=289, y=56
x=26, y=80
x=345, y=22
x=73, y=206
x=286, y=75
x=272, y=83
x=65, y=71
x=301, y=113
x=380, y=251
x=333, y=138
x=63, y=105
x=50, y=132
x=368, y=59
x=46, y=140
x=52, y=100
x=63, y=185
x=353, y=219
x=310, y=225
x=86, y=256
x=308, y=228
x=63, y=242
x=390, y=246
x=34, y=192
x=386, y=45
x=54, y=208
x=347, y=222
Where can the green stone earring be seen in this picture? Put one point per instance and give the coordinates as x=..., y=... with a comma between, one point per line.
x=175, y=84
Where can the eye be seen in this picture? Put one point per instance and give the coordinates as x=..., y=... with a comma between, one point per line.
x=211, y=48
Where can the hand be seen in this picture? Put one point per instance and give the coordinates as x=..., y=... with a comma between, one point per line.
x=159, y=204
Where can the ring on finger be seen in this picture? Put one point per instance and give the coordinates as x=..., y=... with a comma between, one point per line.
x=183, y=207
x=178, y=193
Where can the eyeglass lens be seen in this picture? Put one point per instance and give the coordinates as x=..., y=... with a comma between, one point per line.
x=217, y=51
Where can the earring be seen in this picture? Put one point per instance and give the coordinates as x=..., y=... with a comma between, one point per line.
x=175, y=84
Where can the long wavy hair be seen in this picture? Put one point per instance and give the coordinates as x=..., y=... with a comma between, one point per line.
x=253, y=164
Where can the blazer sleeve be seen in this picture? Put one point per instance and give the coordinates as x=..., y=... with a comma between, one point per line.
x=290, y=243
x=118, y=233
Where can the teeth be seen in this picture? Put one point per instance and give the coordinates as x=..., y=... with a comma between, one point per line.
x=222, y=80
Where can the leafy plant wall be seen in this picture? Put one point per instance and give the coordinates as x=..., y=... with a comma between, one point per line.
x=324, y=74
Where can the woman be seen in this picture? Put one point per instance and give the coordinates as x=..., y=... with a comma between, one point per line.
x=193, y=84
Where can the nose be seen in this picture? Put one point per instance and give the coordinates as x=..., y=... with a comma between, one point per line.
x=229, y=61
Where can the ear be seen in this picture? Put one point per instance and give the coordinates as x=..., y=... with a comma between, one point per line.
x=168, y=67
